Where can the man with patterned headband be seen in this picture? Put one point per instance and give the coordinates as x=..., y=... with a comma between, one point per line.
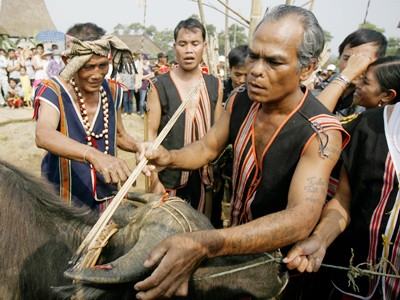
x=79, y=119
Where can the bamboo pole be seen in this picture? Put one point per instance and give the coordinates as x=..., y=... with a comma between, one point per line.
x=256, y=10
x=226, y=40
x=95, y=232
x=203, y=21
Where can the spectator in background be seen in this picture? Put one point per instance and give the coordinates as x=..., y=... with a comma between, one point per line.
x=221, y=67
x=174, y=64
x=28, y=64
x=14, y=94
x=330, y=71
x=55, y=65
x=237, y=68
x=147, y=74
x=13, y=65
x=3, y=76
x=26, y=86
x=161, y=67
x=46, y=58
x=19, y=52
x=365, y=43
x=38, y=62
x=128, y=85
x=204, y=67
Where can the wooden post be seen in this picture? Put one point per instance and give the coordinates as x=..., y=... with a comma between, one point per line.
x=226, y=40
x=203, y=21
x=256, y=9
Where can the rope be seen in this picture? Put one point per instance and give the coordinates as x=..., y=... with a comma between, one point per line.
x=356, y=271
x=272, y=259
x=353, y=271
x=163, y=205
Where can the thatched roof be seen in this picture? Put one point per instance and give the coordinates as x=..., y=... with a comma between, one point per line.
x=134, y=42
x=24, y=18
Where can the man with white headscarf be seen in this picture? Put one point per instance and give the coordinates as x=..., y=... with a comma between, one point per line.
x=79, y=119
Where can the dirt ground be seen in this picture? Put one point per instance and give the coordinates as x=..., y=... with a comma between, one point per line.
x=18, y=145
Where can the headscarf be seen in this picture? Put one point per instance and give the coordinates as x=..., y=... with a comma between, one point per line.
x=79, y=52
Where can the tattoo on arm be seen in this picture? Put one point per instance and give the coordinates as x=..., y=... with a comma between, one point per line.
x=315, y=189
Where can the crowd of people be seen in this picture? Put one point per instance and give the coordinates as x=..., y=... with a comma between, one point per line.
x=313, y=172
x=22, y=69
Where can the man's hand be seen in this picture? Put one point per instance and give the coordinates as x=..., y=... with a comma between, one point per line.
x=158, y=159
x=306, y=255
x=113, y=169
x=356, y=65
x=180, y=256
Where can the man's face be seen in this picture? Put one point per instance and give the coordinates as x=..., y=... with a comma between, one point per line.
x=39, y=50
x=189, y=49
x=238, y=75
x=11, y=54
x=272, y=60
x=368, y=50
x=91, y=75
x=162, y=60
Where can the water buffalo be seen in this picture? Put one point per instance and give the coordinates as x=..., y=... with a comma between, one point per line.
x=40, y=233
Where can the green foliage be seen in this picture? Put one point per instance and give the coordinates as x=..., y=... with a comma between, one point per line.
x=165, y=40
x=237, y=36
x=368, y=25
x=393, y=46
x=327, y=36
x=211, y=30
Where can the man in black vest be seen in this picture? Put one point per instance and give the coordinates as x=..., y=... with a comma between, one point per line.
x=166, y=93
x=285, y=145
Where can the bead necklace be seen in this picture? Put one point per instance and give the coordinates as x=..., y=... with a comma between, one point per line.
x=89, y=133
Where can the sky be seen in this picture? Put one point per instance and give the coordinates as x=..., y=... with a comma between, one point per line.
x=339, y=17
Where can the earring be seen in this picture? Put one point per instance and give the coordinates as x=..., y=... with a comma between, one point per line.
x=380, y=103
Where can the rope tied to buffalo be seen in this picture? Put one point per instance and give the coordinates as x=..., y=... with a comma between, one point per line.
x=93, y=253
x=165, y=204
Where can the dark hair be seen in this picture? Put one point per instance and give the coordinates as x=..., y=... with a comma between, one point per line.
x=39, y=45
x=312, y=43
x=190, y=24
x=237, y=56
x=86, y=31
x=364, y=36
x=387, y=73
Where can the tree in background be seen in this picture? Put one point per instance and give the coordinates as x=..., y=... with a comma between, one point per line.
x=237, y=36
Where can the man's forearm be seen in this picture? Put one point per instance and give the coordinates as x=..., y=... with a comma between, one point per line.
x=191, y=157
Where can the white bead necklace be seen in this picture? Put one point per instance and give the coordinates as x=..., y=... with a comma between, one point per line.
x=89, y=133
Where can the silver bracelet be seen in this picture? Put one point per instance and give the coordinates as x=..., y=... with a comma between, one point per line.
x=84, y=155
x=344, y=79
